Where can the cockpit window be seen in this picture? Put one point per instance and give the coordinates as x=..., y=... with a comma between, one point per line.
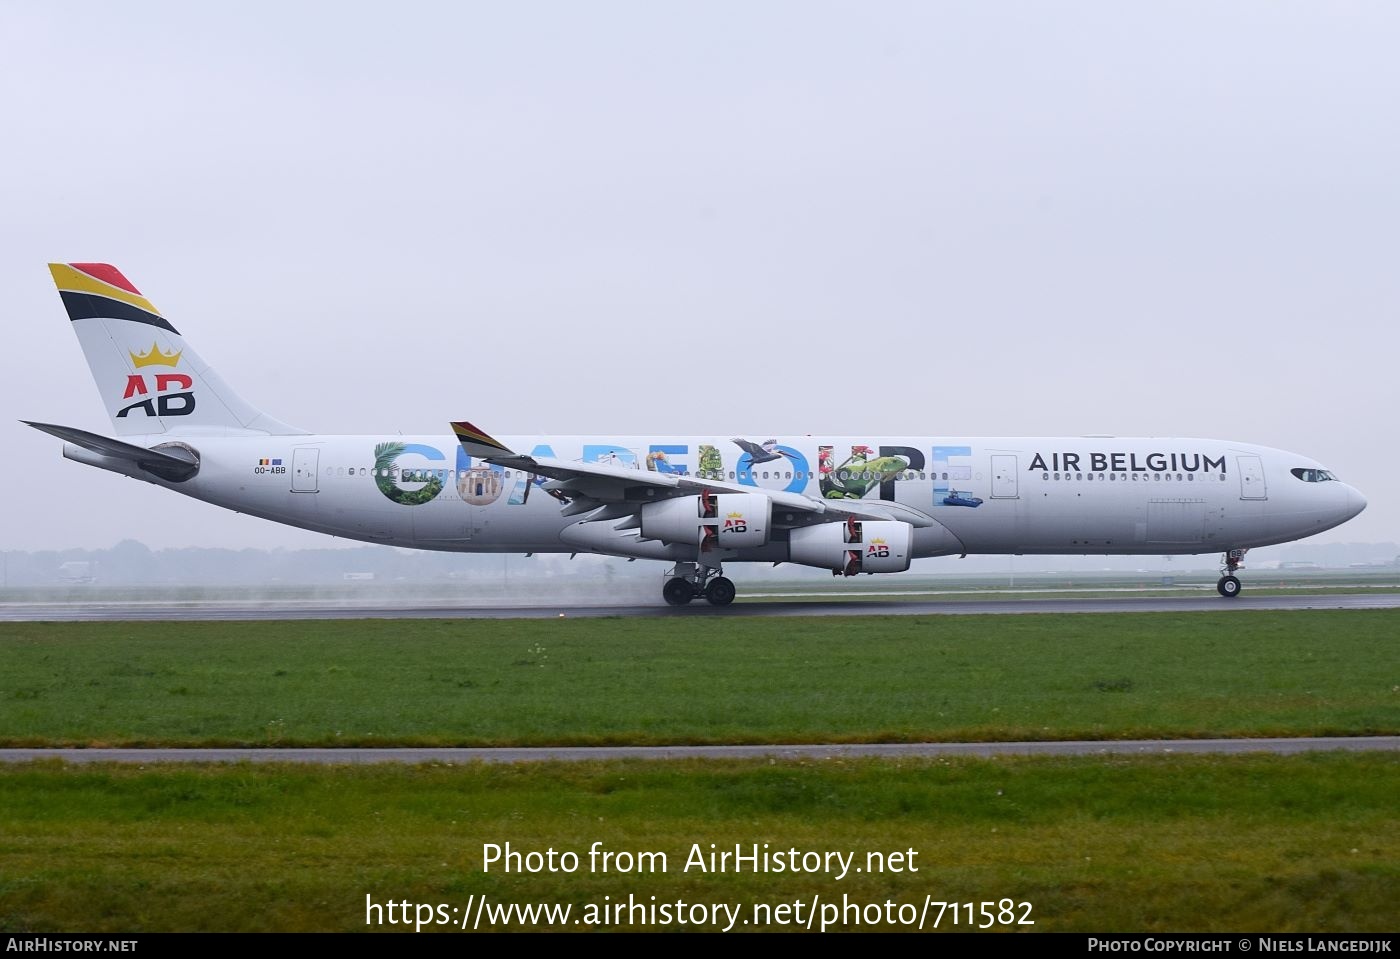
x=1312, y=476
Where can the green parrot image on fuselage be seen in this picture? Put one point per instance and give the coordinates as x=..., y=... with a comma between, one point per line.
x=859, y=474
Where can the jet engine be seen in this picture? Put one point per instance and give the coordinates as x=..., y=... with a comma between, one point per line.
x=710, y=520
x=855, y=546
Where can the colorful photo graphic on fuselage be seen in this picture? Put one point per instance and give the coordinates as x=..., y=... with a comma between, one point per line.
x=658, y=459
x=711, y=461
x=950, y=467
x=406, y=472
x=960, y=498
x=388, y=476
x=765, y=452
x=859, y=474
x=481, y=485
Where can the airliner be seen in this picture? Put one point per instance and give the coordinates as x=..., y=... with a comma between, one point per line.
x=847, y=504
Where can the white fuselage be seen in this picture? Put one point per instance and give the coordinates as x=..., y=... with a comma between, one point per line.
x=987, y=495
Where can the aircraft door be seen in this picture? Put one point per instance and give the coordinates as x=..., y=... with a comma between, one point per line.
x=1252, y=484
x=304, y=462
x=1004, y=479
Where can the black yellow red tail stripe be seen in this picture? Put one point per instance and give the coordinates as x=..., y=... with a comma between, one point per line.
x=99, y=290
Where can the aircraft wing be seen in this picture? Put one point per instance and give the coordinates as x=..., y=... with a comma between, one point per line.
x=616, y=491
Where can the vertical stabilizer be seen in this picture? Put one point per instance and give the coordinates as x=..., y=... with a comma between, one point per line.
x=149, y=377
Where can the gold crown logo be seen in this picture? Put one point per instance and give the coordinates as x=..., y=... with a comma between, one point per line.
x=877, y=541
x=154, y=357
x=735, y=516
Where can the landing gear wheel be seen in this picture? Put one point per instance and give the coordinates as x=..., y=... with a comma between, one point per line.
x=1229, y=586
x=677, y=592
x=720, y=592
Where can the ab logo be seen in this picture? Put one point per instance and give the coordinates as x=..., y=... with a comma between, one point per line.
x=735, y=523
x=164, y=402
x=877, y=550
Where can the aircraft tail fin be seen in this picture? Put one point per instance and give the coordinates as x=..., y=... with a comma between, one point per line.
x=151, y=380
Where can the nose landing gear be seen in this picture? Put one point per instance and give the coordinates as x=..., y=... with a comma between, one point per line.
x=1229, y=585
x=687, y=581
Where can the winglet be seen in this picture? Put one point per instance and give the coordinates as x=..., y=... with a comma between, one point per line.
x=477, y=443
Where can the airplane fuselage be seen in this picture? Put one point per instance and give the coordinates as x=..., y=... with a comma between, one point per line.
x=988, y=495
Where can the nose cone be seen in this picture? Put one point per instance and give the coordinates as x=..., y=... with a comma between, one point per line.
x=1355, y=502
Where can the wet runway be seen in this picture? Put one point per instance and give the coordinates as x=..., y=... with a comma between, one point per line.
x=234, y=611
x=450, y=756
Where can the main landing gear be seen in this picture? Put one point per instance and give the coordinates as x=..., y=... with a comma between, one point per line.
x=1229, y=585
x=687, y=581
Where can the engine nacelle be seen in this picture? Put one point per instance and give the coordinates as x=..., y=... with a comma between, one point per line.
x=711, y=521
x=855, y=546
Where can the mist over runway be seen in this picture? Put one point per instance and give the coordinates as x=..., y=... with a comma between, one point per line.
x=316, y=610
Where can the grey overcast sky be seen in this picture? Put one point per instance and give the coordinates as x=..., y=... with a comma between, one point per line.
x=739, y=218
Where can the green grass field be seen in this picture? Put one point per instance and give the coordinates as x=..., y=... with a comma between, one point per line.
x=1185, y=843
x=696, y=680
x=1190, y=843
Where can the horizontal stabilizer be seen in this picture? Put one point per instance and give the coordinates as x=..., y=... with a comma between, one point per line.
x=173, y=466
